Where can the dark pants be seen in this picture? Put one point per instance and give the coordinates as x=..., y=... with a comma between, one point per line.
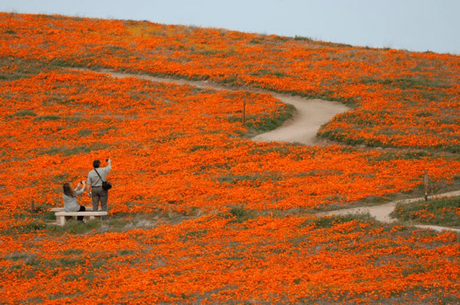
x=99, y=194
x=82, y=209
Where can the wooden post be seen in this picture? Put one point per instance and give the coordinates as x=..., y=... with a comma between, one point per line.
x=425, y=181
x=32, y=207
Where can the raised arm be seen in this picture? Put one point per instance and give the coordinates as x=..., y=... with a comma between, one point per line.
x=77, y=187
x=79, y=190
x=88, y=186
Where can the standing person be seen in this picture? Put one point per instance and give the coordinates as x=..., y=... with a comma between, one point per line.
x=70, y=198
x=95, y=189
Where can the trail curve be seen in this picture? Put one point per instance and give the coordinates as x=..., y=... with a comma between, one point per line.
x=382, y=212
x=302, y=128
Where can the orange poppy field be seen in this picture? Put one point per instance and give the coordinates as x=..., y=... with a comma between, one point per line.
x=199, y=212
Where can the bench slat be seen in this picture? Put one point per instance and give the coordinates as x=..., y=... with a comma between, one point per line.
x=98, y=213
x=62, y=209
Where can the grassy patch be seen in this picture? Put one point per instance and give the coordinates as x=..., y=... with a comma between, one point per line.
x=194, y=235
x=258, y=125
x=442, y=212
x=30, y=227
x=84, y=132
x=70, y=151
x=405, y=83
x=330, y=221
x=47, y=118
x=404, y=155
x=254, y=180
x=75, y=227
x=239, y=214
x=23, y=113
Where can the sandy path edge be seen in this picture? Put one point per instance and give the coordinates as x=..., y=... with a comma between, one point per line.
x=382, y=212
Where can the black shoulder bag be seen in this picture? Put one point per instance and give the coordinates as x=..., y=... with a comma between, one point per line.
x=106, y=185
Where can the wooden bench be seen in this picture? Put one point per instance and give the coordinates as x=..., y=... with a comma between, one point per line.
x=62, y=216
x=62, y=209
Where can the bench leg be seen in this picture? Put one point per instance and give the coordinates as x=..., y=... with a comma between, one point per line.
x=60, y=220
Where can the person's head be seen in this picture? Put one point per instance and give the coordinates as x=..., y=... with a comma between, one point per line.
x=68, y=189
x=96, y=163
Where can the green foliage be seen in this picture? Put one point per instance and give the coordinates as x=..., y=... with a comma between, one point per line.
x=70, y=151
x=126, y=252
x=255, y=180
x=47, y=118
x=74, y=252
x=239, y=214
x=84, y=132
x=281, y=150
x=263, y=72
x=200, y=147
x=267, y=123
x=301, y=38
x=406, y=155
x=442, y=212
x=23, y=113
x=255, y=41
x=74, y=227
x=455, y=149
x=194, y=235
x=330, y=221
x=104, y=131
x=405, y=83
x=28, y=224
x=338, y=135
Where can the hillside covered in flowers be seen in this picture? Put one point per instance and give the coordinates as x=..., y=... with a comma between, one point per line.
x=199, y=212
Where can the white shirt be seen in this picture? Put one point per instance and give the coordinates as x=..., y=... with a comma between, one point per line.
x=93, y=178
x=71, y=203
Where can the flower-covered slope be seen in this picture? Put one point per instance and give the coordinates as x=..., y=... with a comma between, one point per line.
x=401, y=98
x=181, y=151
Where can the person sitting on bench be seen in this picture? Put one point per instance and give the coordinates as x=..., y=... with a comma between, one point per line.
x=70, y=198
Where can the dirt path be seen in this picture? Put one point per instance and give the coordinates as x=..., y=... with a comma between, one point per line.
x=382, y=212
x=302, y=128
x=304, y=125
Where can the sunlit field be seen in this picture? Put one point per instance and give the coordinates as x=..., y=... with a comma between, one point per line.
x=199, y=212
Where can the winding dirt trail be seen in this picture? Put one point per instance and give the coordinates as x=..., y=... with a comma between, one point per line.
x=309, y=116
x=301, y=128
x=382, y=212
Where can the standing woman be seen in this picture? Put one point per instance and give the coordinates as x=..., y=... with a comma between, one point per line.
x=70, y=198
